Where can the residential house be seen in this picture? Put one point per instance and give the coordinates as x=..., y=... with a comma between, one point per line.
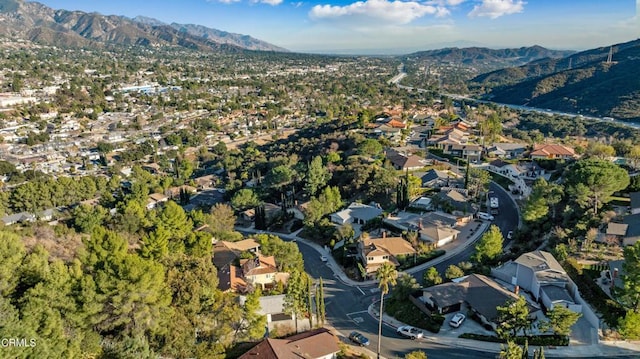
x=393, y=134
x=262, y=271
x=540, y=274
x=376, y=251
x=423, y=203
x=357, y=213
x=438, y=235
x=225, y=255
x=455, y=201
x=470, y=152
x=401, y=161
x=314, y=344
x=635, y=202
x=205, y=182
x=273, y=307
x=552, y=151
x=270, y=210
x=152, y=168
x=451, y=136
x=482, y=295
x=437, y=179
x=632, y=234
x=225, y=252
x=614, y=233
x=517, y=171
x=506, y=150
x=174, y=192
x=24, y=217
x=407, y=221
x=156, y=200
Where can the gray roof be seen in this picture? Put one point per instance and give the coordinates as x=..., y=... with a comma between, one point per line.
x=544, y=265
x=556, y=293
x=360, y=211
x=272, y=304
x=447, y=294
x=635, y=199
x=510, y=146
x=633, y=220
x=434, y=175
x=539, y=260
x=481, y=293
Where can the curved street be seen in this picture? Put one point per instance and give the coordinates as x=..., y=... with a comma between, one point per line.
x=347, y=303
x=347, y=306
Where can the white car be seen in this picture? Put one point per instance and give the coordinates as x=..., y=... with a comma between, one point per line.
x=410, y=332
x=457, y=320
x=510, y=235
x=324, y=258
x=485, y=216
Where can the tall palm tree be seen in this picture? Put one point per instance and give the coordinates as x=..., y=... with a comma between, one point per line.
x=386, y=276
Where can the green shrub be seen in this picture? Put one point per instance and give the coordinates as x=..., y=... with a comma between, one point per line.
x=406, y=312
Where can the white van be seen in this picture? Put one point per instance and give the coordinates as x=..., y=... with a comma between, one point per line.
x=485, y=216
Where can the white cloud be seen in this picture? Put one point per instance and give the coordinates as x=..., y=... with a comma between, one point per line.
x=399, y=12
x=270, y=2
x=225, y=1
x=496, y=8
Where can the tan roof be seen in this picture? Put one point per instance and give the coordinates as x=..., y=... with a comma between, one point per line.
x=393, y=245
x=551, y=149
x=617, y=229
x=243, y=245
x=158, y=197
x=438, y=232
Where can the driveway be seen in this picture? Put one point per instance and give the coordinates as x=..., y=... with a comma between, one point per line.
x=583, y=333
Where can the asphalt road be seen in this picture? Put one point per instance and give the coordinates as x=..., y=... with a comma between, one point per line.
x=346, y=307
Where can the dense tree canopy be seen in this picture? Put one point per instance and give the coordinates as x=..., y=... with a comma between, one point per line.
x=592, y=182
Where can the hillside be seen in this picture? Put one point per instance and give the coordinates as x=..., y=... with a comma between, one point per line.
x=582, y=83
x=41, y=24
x=485, y=59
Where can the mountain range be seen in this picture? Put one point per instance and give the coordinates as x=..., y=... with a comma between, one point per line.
x=41, y=24
x=485, y=59
x=585, y=82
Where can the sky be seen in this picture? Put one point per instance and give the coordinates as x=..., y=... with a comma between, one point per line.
x=394, y=26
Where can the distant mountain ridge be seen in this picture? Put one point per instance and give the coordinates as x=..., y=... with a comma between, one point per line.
x=584, y=82
x=39, y=23
x=485, y=58
x=223, y=37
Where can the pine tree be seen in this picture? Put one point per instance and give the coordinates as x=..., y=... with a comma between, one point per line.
x=309, y=300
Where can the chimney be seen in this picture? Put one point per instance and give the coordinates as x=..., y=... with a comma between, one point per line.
x=516, y=290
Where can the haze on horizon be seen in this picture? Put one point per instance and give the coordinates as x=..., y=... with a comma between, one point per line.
x=394, y=26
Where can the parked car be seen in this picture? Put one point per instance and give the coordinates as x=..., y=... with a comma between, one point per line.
x=324, y=258
x=457, y=320
x=510, y=235
x=359, y=339
x=410, y=332
x=485, y=216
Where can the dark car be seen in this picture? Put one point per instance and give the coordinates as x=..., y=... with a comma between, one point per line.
x=358, y=339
